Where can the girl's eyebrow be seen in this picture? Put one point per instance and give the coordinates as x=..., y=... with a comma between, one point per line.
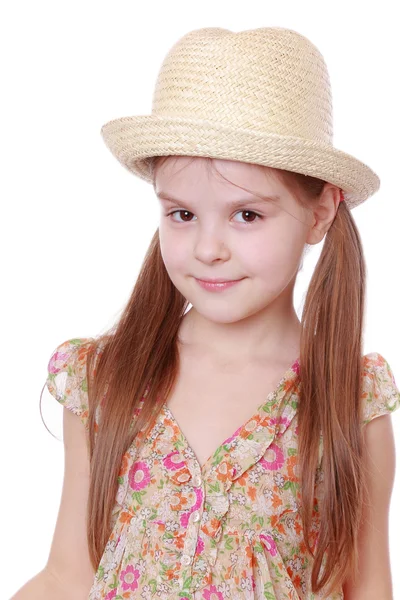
x=274, y=198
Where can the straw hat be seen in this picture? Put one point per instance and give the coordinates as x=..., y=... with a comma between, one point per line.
x=258, y=96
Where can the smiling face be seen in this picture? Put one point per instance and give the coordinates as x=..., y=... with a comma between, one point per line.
x=205, y=235
x=212, y=228
x=218, y=230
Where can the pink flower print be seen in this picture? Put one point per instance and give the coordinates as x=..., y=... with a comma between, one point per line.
x=229, y=439
x=139, y=475
x=269, y=543
x=280, y=421
x=199, y=546
x=129, y=578
x=212, y=593
x=57, y=358
x=277, y=462
x=111, y=594
x=296, y=367
x=199, y=498
x=184, y=518
x=171, y=461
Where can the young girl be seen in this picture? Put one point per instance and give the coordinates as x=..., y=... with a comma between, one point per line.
x=230, y=456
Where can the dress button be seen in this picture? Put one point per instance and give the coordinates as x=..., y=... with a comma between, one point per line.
x=196, y=516
x=196, y=480
x=186, y=560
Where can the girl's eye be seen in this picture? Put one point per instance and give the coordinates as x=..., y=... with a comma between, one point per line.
x=179, y=211
x=250, y=212
x=241, y=211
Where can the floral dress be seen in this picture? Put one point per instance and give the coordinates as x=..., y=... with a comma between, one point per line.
x=229, y=529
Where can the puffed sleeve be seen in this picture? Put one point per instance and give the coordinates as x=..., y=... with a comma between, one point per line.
x=381, y=395
x=66, y=378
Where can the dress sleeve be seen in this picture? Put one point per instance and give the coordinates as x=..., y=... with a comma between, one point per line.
x=66, y=378
x=381, y=395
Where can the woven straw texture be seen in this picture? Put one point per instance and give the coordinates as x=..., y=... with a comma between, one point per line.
x=259, y=96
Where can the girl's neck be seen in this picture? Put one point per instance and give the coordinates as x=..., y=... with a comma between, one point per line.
x=200, y=336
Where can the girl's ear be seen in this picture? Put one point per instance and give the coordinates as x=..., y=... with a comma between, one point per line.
x=323, y=214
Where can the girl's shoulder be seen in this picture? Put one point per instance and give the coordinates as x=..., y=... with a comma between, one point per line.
x=67, y=377
x=380, y=394
x=67, y=380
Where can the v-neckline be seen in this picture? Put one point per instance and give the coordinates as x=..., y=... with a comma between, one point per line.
x=204, y=467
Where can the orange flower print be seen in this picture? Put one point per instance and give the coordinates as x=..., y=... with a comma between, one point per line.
x=223, y=471
x=292, y=463
x=252, y=492
x=124, y=464
x=178, y=501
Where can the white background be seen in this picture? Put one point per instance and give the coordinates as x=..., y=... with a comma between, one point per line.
x=76, y=224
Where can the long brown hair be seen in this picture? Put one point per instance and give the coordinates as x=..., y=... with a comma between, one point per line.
x=142, y=346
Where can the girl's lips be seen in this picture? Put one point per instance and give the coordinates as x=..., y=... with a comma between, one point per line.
x=216, y=287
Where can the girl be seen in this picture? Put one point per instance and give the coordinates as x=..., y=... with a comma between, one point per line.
x=230, y=455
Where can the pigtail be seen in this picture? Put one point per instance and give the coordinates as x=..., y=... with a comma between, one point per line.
x=330, y=401
x=140, y=348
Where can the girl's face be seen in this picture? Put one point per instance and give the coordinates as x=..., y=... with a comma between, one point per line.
x=204, y=236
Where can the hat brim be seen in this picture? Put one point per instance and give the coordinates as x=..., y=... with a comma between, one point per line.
x=134, y=139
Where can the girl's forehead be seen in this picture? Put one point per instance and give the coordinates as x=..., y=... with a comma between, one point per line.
x=207, y=164
x=183, y=173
